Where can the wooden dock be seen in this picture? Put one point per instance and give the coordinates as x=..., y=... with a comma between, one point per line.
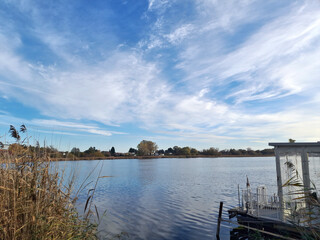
x=265, y=223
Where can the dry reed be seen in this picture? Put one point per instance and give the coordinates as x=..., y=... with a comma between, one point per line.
x=34, y=202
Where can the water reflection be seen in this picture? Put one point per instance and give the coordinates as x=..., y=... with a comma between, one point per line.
x=146, y=171
x=169, y=198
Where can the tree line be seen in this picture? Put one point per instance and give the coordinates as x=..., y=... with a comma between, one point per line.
x=149, y=148
x=144, y=148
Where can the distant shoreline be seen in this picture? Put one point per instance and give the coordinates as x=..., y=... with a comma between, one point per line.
x=154, y=157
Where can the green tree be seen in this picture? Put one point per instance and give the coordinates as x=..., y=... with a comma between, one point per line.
x=112, y=151
x=185, y=151
x=133, y=150
x=211, y=151
x=147, y=148
x=169, y=151
x=90, y=151
x=176, y=150
x=161, y=151
x=234, y=152
x=193, y=151
x=75, y=151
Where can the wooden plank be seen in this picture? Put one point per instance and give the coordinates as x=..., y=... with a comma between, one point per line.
x=259, y=230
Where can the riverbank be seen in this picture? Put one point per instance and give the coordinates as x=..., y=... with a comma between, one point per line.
x=155, y=157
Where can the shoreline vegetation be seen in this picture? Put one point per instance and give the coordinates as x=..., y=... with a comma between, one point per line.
x=145, y=150
x=155, y=157
x=35, y=200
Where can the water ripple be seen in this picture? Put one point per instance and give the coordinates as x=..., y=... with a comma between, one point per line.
x=171, y=198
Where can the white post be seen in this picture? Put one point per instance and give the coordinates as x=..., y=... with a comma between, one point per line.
x=258, y=202
x=251, y=203
x=239, y=195
x=279, y=182
x=305, y=169
x=243, y=201
x=306, y=178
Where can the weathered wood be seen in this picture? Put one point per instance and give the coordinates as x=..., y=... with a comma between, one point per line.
x=239, y=195
x=259, y=230
x=219, y=220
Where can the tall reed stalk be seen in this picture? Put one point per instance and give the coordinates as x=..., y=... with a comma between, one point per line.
x=34, y=202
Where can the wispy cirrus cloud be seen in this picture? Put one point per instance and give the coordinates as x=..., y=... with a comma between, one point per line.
x=58, y=127
x=265, y=66
x=158, y=4
x=229, y=70
x=72, y=126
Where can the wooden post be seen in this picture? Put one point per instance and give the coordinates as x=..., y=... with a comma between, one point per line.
x=239, y=195
x=258, y=199
x=219, y=220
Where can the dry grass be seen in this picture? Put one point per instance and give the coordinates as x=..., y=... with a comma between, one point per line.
x=34, y=202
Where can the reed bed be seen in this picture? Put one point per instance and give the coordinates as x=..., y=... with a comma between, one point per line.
x=34, y=201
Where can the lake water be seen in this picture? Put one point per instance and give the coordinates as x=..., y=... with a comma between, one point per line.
x=171, y=198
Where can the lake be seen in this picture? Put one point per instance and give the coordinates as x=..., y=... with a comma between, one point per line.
x=168, y=198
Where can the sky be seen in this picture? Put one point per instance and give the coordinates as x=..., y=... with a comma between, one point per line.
x=200, y=73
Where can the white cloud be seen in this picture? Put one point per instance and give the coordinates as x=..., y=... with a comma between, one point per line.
x=55, y=126
x=115, y=91
x=226, y=14
x=157, y=4
x=59, y=124
x=179, y=34
x=11, y=64
x=275, y=60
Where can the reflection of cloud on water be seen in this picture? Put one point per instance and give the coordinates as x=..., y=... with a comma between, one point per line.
x=172, y=206
x=147, y=170
x=168, y=198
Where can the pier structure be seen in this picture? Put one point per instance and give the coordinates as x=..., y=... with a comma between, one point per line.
x=298, y=198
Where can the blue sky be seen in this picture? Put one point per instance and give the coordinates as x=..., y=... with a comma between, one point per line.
x=227, y=74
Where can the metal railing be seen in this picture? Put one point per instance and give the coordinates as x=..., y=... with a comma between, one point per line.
x=258, y=203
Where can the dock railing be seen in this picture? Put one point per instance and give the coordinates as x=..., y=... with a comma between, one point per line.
x=259, y=204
